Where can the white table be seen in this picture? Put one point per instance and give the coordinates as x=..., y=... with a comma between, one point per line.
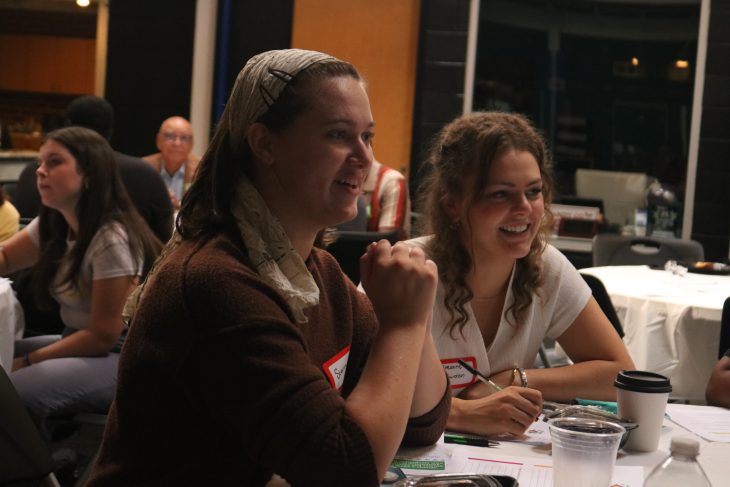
x=713, y=458
x=11, y=323
x=672, y=322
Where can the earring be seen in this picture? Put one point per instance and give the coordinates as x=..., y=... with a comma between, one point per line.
x=455, y=224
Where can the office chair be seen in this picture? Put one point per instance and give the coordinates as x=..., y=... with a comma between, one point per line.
x=610, y=249
x=604, y=301
x=724, y=329
x=25, y=460
x=10, y=188
x=348, y=247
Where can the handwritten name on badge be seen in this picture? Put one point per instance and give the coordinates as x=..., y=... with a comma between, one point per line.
x=336, y=367
x=459, y=377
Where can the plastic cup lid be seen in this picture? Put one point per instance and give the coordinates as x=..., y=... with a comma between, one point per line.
x=642, y=381
x=586, y=426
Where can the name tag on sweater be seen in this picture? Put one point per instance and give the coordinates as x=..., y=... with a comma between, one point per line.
x=459, y=377
x=335, y=368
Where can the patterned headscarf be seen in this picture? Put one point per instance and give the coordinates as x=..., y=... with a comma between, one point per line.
x=260, y=83
x=257, y=87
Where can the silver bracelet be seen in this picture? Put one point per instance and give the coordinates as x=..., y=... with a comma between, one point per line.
x=523, y=376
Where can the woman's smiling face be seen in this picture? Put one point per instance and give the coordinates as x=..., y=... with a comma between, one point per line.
x=321, y=160
x=505, y=217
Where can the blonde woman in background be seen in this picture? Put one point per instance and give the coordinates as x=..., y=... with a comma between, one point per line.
x=9, y=217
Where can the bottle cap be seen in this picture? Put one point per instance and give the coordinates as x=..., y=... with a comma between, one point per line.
x=685, y=446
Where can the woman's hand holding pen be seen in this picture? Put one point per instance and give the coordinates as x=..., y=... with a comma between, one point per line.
x=511, y=410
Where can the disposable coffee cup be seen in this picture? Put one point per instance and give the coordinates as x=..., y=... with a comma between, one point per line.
x=584, y=451
x=642, y=398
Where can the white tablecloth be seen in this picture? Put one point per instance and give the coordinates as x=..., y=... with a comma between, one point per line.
x=11, y=323
x=672, y=322
x=713, y=455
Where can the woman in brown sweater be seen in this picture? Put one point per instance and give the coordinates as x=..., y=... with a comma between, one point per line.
x=251, y=358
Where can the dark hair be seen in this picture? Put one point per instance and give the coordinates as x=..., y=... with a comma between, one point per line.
x=205, y=206
x=465, y=149
x=104, y=200
x=92, y=112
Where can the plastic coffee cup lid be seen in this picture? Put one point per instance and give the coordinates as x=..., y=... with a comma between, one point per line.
x=642, y=381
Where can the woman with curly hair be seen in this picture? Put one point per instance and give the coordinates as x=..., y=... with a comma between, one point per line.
x=502, y=287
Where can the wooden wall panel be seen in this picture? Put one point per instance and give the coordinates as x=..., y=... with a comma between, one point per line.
x=42, y=68
x=80, y=54
x=380, y=37
x=46, y=64
x=14, y=63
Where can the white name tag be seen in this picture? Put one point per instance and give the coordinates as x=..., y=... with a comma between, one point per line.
x=335, y=368
x=459, y=377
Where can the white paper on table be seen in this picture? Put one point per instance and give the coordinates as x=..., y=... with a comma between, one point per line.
x=711, y=423
x=529, y=472
x=537, y=434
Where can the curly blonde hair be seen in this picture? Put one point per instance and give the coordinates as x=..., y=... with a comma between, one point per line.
x=464, y=151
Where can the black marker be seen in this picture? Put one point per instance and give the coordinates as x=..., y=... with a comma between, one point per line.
x=478, y=375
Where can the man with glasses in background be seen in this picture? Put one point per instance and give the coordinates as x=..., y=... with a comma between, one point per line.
x=175, y=161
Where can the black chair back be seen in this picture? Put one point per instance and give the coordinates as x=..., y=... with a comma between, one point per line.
x=724, y=329
x=604, y=301
x=611, y=249
x=348, y=247
x=24, y=457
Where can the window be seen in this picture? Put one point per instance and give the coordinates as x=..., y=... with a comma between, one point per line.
x=609, y=83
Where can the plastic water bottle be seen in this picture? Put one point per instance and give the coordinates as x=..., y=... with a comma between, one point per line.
x=680, y=468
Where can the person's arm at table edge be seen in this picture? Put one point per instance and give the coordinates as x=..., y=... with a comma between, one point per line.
x=17, y=253
x=107, y=300
x=382, y=400
x=718, y=387
x=431, y=399
x=598, y=354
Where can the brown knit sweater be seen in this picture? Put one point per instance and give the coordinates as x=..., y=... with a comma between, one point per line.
x=219, y=386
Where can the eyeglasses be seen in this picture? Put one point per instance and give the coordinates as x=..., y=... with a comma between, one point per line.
x=172, y=137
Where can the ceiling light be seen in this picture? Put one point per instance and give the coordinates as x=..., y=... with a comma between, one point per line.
x=83, y=3
x=634, y=61
x=681, y=63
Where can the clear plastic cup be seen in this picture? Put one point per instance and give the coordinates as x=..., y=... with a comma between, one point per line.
x=584, y=451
